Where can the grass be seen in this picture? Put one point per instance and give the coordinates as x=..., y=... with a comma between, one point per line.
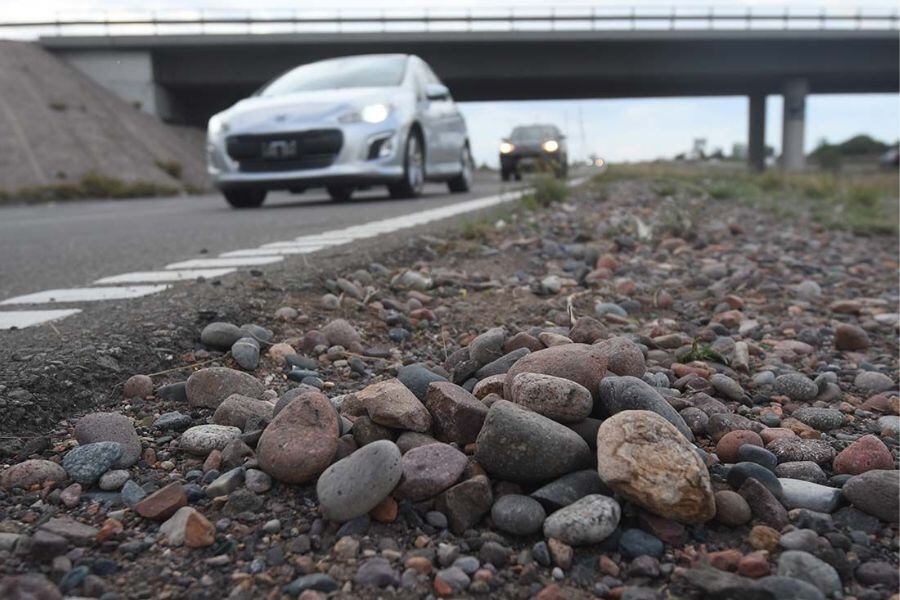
x=858, y=202
x=548, y=190
x=91, y=185
x=172, y=168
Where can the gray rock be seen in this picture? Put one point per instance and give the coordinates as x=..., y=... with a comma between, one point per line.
x=110, y=427
x=760, y=456
x=258, y=333
x=417, y=378
x=875, y=493
x=805, y=470
x=173, y=420
x=85, y=464
x=132, y=493
x=429, y=470
x=340, y=332
x=812, y=496
x=764, y=505
x=203, y=439
x=806, y=567
x=873, y=382
x=518, y=515
x=320, y=582
x=570, y=488
x=226, y=483
x=236, y=410
x=797, y=387
x=559, y=399
x=630, y=393
x=587, y=521
x=502, y=364
x=220, y=335
x=727, y=387
x=823, y=419
x=113, y=480
x=608, y=308
x=488, y=346
x=207, y=388
x=797, y=449
x=355, y=485
x=376, y=572
x=454, y=577
x=245, y=353
x=782, y=588
x=800, y=539
x=744, y=470
x=525, y=447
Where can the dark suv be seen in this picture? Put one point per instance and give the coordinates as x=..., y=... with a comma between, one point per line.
x=540, y=148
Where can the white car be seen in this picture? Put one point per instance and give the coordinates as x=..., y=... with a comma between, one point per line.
x=342, y=123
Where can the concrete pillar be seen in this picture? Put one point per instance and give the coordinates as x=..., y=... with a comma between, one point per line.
x=794, y=118
x=756, y=142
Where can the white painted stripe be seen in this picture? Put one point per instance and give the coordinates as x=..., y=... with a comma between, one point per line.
x=212, y=263
x=163, y=276
x=272, y=251
x=88, y=294
x=304, y=242
x=26, y=318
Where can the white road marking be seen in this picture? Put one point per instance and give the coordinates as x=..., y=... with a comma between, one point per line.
x=88, y=294
x=212, y=263
x=282, y=250
x=20, y=319
x=164, y=276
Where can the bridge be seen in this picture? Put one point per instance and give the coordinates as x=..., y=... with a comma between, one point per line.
x=186, y=77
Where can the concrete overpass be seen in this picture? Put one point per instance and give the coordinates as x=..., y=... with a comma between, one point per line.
x=186, y=78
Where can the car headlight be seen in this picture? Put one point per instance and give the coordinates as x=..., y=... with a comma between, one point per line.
x=373, y=113
x=217, y=125
x=506, y=148
x=550, y=146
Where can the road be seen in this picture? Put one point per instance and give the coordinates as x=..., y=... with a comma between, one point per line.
x=53, y=246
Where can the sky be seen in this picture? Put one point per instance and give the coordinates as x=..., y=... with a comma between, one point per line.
x=618, y=130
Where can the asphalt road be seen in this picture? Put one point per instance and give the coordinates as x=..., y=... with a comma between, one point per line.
x=72, y=244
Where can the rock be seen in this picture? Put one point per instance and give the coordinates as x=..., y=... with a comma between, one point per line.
x=823, y=419
x=806, y=567
x=410, y=439
x=245, y=353
x=732, y=509
x=502, y=365
x=795, y=449
x=728, y=446
x=340, y=332
x=800, y=539
x=220, y=335
x=618, y=394
x=85, y=464
x=872, y=382
x=875, y=493
x=812, y=496
x=722, y=585
x=132, y=493
x=450, y=581
x=878, y=573
x=488, y=346
x=758, y=455
x=376, y=572
x=429, y=470
x=353, y=486
x=489, y=385
x=188, y=527
x=590, y=520
x=226, y=483
x=865, y=454
x=301, y=440
x=644, y=458
x=636, y=542
x=586, y=330
x=466, y=502
x=587, y=429
x=727, y=387
x=162, y=504
x=207, y=388
x=518, y=515
x=113, y=480
x=721, y=423
x=570, y=488
x=763, y=504
x=319, y=582
x=623, y=356
x=417, y=378
x=30, y=586
x=110, y=427
x=583, y=364
x=609, y=308
x=456, y=414
x=203, y=439
x=787, y=587
x=744, y=470
x=235, y=410
x=280, y=353
x=522, y=446
x=390, y=403
x=137, y=386
x=32, y=472
x=850, y=338
x=797, y=387
x=559, y=399
x=174, y=420
x=805, y=470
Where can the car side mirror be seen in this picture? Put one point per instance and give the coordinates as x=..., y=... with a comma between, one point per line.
x=436, y=91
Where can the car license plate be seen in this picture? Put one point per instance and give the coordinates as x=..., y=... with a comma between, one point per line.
x=276, y=149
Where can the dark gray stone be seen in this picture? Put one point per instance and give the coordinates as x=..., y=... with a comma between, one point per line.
x=85, y=464
x=570, y=488
x=518, y=515
x=630, y=393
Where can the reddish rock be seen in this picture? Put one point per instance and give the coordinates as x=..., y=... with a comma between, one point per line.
x=865, y=454
x=755, y=565
x=556, y=398
x=110, y=528
x=580, y=363
x=392, y=404
x=32, y=472
x=188, y=527
x=419, y=563
x=623, y=356
x=774, y=433
x=850, y=338
x=587, y=330
x=138, y=386
x=671, y=532
x=386, y=511
x=235, y=410
x=489, y=385
x=429, y=470
x=561, y=553
x=608, y=566
x=763, y=537
x=207, y=388
x=727, y=448
x=457, y=415
x=522, y=340
x=301, y=440
x=725, y=560
x=465, y=503
x=163, y=503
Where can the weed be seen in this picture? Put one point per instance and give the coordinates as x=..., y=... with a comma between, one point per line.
x=172, y=168
x=58, y=106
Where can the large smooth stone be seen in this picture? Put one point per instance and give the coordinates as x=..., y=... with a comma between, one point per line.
x=570, y=488
x=235, y=410
x=875, y=493
x=587, y=521
x=630, y=393
x=203, y=439
x=623, y=356
x=220, y=335
x=518, y=445
x=806, y=567
x=429, y=470
x=110, y=427
x=31, y=472
x=559, y=399
x=301, y=440
x=392, y=404
x=456, y=414
x=581, y=363
x=644, y=458
x=795, y=449
x=518, y=515
x=353, y=486
x=812, y=496
x=207, y=388
x=85, y=464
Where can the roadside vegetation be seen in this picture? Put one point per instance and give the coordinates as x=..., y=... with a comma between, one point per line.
x=858, y=202
x=91, y=185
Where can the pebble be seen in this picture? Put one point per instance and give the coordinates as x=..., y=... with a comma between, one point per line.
x=589, y=520
x=376, y=572
x=340, y=332
x=173, y=420
x=220, y=335
x=581, y=363
x=417, y=378
x=188, y=527
x=236, y=410
x=207, y=388
x=865, y=454
x=806, y=567
x=457, y=415
x=85, y=464
x=163, y=503
x=805, y=470
x=466, y=503
x=618, y=394
x=804, y=494
x=872, y=382
x=797, y=387
x=796, y=449
x=32, y=472
x=353, y=486
x=392, y=404
x=110, y=427
x=245, y=353
x=875, y=493
x=823, y=419
x=758, y=455
x=518, y=515
x=570, y=488
x=429, y=470
x=137, y=386
x=203, y=439
x=763, y=504
x=623, y=356
x=559, y=399
x=732, y=509
x=637, y=542
x=113, y=480
x=850, y=338
x=729, y=446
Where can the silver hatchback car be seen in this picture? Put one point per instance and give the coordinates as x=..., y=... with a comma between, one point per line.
x=344, y=123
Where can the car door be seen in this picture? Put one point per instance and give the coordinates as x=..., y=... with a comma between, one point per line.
x=453, y=127
x=429, y=116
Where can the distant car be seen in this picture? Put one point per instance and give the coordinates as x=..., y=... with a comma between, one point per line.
x=342, y=124
x=534, y=148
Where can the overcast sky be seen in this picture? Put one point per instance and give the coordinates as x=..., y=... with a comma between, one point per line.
x=619, y=130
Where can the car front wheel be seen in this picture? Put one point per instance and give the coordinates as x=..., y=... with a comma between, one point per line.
x=340, y=193
x=463, y=182
x=413, y=181
x=245, y=198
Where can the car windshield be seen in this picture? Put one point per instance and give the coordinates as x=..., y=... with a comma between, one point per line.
x=338, y=73
x=535, y=133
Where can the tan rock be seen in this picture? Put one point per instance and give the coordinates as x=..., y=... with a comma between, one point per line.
x=392, y=404
x=188, y=527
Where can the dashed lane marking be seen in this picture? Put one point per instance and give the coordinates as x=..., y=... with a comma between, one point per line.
x=164, y=276
x=19, y=319
x=212, y=263
x=87, y=294
x=281, y=250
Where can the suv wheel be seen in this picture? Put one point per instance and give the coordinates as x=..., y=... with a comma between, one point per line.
x=246, y=198
x=340, y=193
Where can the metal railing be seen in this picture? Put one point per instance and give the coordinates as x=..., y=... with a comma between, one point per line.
x=475, y=19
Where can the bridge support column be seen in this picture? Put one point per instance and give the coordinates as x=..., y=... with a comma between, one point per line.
x=756, y=142
x=794, y=121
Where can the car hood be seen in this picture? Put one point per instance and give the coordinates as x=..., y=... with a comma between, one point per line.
x=260, y=113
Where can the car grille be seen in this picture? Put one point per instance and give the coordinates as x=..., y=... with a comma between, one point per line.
x=314, y=149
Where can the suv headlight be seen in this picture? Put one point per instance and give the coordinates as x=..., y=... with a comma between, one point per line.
x=217, y=125
x=550, y=146
x=372, y=113
x=506, y=148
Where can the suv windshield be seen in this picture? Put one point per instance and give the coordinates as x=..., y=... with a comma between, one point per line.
x=337, y=73
x=534, y=133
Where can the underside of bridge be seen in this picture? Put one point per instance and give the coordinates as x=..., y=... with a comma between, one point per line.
x=186, y=79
